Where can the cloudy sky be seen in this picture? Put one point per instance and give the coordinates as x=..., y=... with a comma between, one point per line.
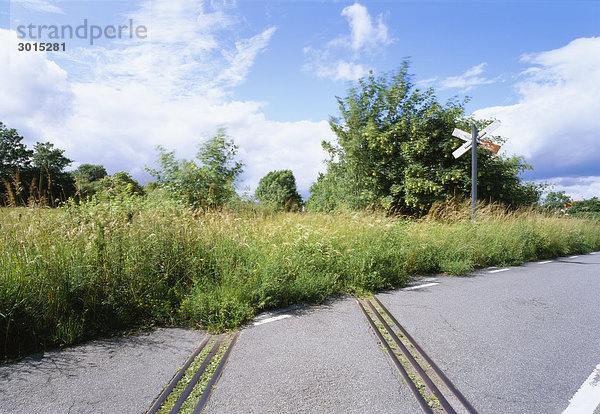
x=269, y=71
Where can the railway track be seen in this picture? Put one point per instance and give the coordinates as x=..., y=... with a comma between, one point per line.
x=190, y=388
x=432, y=389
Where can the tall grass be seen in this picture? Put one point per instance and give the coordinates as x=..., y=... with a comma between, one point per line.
x=83, y=271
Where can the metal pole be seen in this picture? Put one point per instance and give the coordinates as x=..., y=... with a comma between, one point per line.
x=474, y=173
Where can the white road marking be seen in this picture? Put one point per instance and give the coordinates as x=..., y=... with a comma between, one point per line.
x=273, y=319
x=424, y=285
x=499, y=270
x=587, y=398
x=545, y=261
x=572, y=257
x=429, y=279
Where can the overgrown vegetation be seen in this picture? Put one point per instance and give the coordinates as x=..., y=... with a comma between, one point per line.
x=82, y=271
x=393, y=150
x=187, y=249
x=277, y=191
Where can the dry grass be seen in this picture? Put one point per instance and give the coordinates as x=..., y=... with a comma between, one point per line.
x=79, y=272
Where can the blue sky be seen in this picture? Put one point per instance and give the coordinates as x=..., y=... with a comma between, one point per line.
x=269, y=73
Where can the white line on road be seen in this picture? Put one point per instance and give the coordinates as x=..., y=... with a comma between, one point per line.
x=499, y=270
x=545, y=261
x=273, y=319
x=424, y=285
x=572, y=257
x=587, y=398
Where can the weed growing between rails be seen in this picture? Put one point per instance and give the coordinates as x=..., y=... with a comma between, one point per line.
x=84, y=271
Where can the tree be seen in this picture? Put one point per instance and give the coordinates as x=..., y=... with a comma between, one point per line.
x=556, y=200
x=52, y=182
x=278, y=190
x=393, y=150
x=211, y=183
x=14, y=155
x=90, y=172
x=586, y=207
x=87, y=179
x=120, y=183
x=49, y=158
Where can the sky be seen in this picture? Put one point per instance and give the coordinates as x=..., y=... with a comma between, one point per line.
x=137, y=74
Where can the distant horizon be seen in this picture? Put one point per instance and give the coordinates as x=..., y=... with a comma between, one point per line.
x=269, y=72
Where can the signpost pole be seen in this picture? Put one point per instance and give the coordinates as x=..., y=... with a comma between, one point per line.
x=474, y=173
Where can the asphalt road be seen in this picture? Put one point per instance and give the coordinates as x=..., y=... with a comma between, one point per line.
x=524, y=339
x=521, y=340
x=119, y=375
x=319, y=360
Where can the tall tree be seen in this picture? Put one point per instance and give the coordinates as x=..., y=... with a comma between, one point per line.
x=208, y=183
x=278, y=190
x=120, y=183
x=87, y=179
x=52, y=183
x=393, y=150
x=14, y=155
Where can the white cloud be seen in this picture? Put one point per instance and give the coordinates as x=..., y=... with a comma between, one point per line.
x=172, y=89
x=467, y=80
x=578, y=188
x=555, y=125
x=323, y=65
x=34, y=90
x=39, y=5
x=362, y=31
x=343, y=57
x=243, y=57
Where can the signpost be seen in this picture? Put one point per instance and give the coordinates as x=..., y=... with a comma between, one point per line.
x=471, y=140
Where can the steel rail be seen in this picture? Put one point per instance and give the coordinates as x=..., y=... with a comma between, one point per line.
x=171, y=386
x=451, y=387
x=424, y=406
x=413, y=362
x=190, y=387
x=215, y=377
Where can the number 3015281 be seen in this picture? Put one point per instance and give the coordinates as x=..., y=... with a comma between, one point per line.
x=41, y=47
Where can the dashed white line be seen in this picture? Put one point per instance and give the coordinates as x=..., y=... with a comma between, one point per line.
x=424, y=285
x=587, y=398
x=572, y=257
x=545, y=261
x=273, y=319
x=499, y=270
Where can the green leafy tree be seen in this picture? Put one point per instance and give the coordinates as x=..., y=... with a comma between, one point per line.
x=90, y=172
x=14, y=155
x=556, y=200
x=87, y=179
x=49, y=158
x=208, y=183
x=50, y=183
x=393, y=150
x=589, y=207
x=121, y=183
x=278, y=190
x=15, y=159
x=330, y=191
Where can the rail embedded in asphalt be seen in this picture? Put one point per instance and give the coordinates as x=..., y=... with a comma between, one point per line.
x=432, y=389
x=193, y=383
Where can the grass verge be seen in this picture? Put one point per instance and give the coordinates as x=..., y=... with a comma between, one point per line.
x=80, y=272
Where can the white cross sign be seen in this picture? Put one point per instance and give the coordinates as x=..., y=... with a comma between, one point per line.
x=465, y=136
